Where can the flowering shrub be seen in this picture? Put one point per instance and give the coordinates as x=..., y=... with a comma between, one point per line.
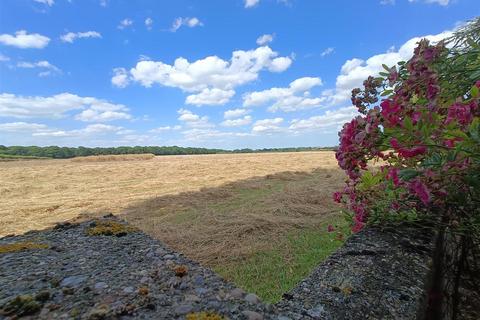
x=414, y=151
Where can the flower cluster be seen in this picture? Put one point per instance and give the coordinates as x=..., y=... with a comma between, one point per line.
x=426, y=144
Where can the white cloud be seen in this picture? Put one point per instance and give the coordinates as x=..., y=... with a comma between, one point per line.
x=120, y=78
x=23, y=40
x=235, y=113
x=327, y=51
x=237, y=122
x=149, y=23
x=57, y=106
x=439, y=2
x=211, y=71
x=355, y=71
x=210, y=134
x=165, y=128
x=21, y=127
x=211, y=97
x=4, y=58
x=193, y=120
x=293, y=98
x=48, y=68
x=387, y=2
x=103, y=3
x=330, y=120
x=189, y=22
x=267, y=125
x=125, y=23
x=46, y=2
x=265, y=39
x=251, y=3
x=71, y=36
x=92, y=129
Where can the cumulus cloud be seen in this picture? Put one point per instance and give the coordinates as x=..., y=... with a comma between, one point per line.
x=21, y=127
x=265, y=39
x=165, y=128
x=355, y=71
x=293, y=98
x=92, y=129
x=72, y=36
x=208, y=77
x=237, y=122
x=193, y=120
x=211, y=71
x=251, y=3
x=439, y=2
x=23, y=40
x=267, y=125
x=57, y=106
x=327, y=51
x=41, y=130
x=235, y=113
x=187, y=22
x=125, y=23
x=211, y=97
x=120, y=77
x=149, y=23
x=196, y=134
x=48, y=68
x=330, y=120
x=46, y=2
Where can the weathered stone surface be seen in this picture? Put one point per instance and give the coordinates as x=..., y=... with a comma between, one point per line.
x=377, y=274
x=106, y=277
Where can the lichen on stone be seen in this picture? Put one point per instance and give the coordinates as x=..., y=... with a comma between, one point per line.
x=109, y=228
x=21, y=246
x=204, y=316
x=22, y=305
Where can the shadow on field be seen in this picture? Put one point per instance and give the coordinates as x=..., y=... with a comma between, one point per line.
x=223, y=224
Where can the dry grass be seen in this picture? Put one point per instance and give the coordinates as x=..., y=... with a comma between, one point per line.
x=38, y=194
x=222, y=210
x=236, y=220
x=116, y=157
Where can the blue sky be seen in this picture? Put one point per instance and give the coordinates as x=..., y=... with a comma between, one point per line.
x=216, y=73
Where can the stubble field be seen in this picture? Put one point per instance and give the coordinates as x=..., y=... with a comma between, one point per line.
x=258, y=219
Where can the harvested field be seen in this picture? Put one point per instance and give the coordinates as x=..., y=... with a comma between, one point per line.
x=114, y=157
x=251, y=217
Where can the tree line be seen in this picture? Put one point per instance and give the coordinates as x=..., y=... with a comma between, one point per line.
x=71, y=152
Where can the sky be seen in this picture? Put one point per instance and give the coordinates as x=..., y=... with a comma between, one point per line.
x=202, y=73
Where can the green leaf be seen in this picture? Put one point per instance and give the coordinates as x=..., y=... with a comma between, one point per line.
x=474, y=91
x=385, y=74
x=386, y=92
x=407, y=123
x=386, y=67
x=408, y=174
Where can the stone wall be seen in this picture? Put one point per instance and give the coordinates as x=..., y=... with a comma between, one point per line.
x=377, y=274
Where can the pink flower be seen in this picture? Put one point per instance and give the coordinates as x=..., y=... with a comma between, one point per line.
x=337, y=197
x=390, y=112
x=357, y=226
x=420, y=190
x=432, y=91
x=416, y=116
x=330, y=228
x=477, y=84
x=393, y=175
x=407, y=152
x=460, y=112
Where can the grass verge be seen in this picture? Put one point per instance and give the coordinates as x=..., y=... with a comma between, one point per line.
x=273, y=272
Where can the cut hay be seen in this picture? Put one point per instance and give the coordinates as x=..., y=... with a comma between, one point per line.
x=116, y=157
